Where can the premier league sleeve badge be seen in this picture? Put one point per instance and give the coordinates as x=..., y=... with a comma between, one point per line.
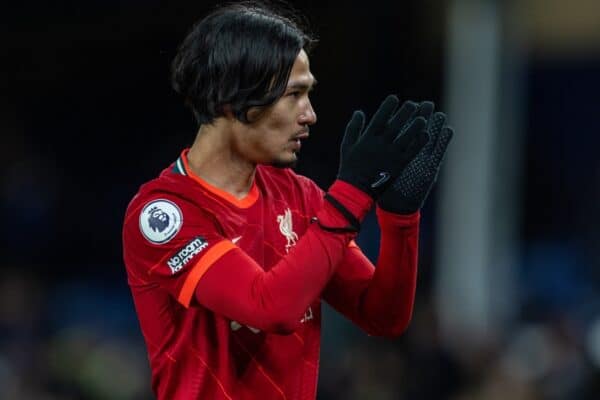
x=160, y=220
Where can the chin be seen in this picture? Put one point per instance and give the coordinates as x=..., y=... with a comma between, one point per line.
x=285, y=163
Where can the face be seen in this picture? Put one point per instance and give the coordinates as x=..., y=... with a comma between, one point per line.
x=275, y=136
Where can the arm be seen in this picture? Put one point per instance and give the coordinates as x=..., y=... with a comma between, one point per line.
x=275, y=300
x=385, y=301
x=380, y=300
x=237, y=287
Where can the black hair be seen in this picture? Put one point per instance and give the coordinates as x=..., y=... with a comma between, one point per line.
x=239, y=56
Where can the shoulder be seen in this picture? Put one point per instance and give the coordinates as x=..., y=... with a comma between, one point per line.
x=161, y=206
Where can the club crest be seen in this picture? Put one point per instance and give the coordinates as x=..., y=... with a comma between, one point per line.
x=287, y=229
x=160, y=220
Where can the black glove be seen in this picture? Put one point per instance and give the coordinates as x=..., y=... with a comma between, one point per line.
x=409, y=191
x=372, y=158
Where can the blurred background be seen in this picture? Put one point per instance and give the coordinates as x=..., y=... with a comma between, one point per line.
x=508, y=301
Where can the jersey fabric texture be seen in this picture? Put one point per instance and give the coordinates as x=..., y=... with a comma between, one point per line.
x=188, y=247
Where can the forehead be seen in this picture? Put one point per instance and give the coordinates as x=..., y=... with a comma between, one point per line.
x=300, y=73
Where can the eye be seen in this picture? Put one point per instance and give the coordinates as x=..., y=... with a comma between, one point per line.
x=295, y=93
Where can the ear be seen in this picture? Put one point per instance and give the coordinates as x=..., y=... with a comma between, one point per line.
x=253, y=114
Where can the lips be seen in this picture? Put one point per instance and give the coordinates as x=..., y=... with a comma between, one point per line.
x=301, y=136
x=296, y=145
x=297, y=138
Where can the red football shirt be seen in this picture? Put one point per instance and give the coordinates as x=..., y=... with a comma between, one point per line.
x=211, y=323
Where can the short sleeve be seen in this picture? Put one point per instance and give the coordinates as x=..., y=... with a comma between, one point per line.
x=170, y=242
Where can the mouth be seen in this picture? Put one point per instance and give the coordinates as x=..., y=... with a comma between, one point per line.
x=303, y=134
x=296, y=140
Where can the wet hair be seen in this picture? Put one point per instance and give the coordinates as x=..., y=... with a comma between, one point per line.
x=237, y=57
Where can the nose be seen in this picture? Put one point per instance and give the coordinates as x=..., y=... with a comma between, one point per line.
x=308, y=116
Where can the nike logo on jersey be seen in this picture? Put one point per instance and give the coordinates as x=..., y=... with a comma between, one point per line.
x=234, y=325
x=236, y=239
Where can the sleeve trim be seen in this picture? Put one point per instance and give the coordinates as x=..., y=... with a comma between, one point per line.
x=205, y=262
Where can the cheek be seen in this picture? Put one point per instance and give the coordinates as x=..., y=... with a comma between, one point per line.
x=271, y=133
x=283, y=115
x=278, y=130
x=278, y=123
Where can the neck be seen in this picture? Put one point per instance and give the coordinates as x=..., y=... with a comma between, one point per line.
x=212, y=158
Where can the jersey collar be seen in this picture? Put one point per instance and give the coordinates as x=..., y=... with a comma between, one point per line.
x=182, y=167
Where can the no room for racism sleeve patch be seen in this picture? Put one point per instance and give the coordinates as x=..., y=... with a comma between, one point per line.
x=160, y=220
x=186, y=254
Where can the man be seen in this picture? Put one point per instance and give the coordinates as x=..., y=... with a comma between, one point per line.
x=229, y=252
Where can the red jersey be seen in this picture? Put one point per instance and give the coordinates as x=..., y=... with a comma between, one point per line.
x=206, y=272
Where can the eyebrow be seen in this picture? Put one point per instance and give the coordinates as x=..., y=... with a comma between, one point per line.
x=302, y=85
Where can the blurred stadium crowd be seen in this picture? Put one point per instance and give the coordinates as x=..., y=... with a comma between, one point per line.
x=87, y=115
